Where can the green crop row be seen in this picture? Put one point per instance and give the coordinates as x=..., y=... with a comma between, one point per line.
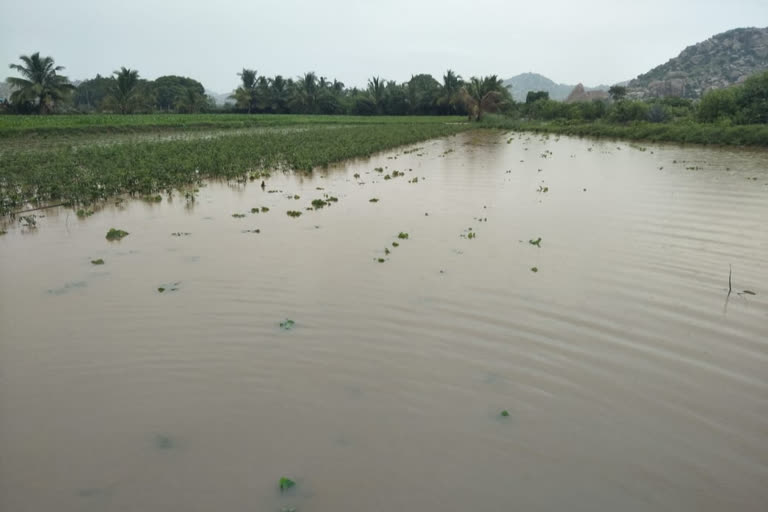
x=85, y=174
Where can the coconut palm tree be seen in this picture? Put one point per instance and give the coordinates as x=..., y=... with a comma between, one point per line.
x=486, y=94
x=247, y=94
x=41, y=86
x=376, y=90
x=450, y=93
x=124, y=93
x=305, y=93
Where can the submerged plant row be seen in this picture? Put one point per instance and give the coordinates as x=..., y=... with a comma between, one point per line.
x=84, y=175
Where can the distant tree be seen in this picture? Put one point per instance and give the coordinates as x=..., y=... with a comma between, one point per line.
x=124, y=91
x=717, y=104
x=90, y=94
x=486, y=94
x=423, y=92
x=42, y=88
x=752, y=99
x=395, y=100
x=376, y=91
x=617, y=92
x=166, y=90
x=305, y=93
x=246, y=96
x=534, y=96
x=449, y=100
x=190, y=101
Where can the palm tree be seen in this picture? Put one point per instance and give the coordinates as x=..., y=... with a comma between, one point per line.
x=246, y=95
x=305, y=93
x=376, y=90
x=484, y=94
x=41, y=85
x=125, y=90
x=450, y=92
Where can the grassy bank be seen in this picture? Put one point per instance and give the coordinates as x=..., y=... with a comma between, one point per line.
x=688, y=132
x=85, y=174
x=69, y=125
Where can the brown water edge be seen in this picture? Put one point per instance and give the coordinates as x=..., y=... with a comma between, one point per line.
x=628, y=384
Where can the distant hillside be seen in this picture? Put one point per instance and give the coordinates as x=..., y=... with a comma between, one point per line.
x=722, y=60
x=219, y=98
x=525, y=82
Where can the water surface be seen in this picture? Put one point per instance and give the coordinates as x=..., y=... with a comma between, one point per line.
x=633, y=381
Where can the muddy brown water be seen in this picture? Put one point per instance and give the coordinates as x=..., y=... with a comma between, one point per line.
x=630, y=383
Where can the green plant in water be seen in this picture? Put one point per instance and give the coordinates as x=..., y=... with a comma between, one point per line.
x=161, y=289
x=471, y=235
x=387, y=177
x=293, y=213
x=254, y=210
x=98, y=261
x=373, y=200
x=356, y=175
x=536, y=242
x=264, y=209
x=287, y=325
x=379, y=169
x=2, y=232
x=332, y=199
x=84, y=213
x=381, y=260
x=116, y=234
x=504, y=413
x=318, y=203
x=286, y=483
x=395, y=244
x=403, y=236
x=238, y=215
x=534, y=269
x=153, y=199
x=386, y=250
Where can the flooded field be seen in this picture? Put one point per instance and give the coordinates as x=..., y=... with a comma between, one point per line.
x=512, y=323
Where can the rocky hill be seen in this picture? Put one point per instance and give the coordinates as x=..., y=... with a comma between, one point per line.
x=521, y=84
x=722, y=60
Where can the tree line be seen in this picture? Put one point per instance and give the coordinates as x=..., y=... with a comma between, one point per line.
x=42, y=90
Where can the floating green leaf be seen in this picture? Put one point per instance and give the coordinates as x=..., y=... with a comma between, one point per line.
x=536, y=242
x=286, y=483
x=116, y=234
x=403, y=236
x=505, y=413
x=98, y=261
x=293, y=213
x=287, y=325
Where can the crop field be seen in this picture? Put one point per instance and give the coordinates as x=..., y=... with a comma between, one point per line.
x=15, y=126
x=79, y=174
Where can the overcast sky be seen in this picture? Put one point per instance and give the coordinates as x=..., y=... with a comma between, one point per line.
x=570, y=41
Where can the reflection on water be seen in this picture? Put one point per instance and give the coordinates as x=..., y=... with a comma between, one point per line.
x=627, y=385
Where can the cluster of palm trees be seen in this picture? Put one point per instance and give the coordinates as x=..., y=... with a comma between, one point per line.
x=42, y=89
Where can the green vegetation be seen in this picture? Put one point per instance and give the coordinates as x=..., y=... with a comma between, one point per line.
x=116, y=234
x=534, y=269
x=293, y=213
x=41, y=88
x=286, y=483
x=98, y=261
x=736, y=115
x=318, y=203
x=403, y=236
x=96, y=172
x=505, y=413
x=536, y=242
x=287, y=325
